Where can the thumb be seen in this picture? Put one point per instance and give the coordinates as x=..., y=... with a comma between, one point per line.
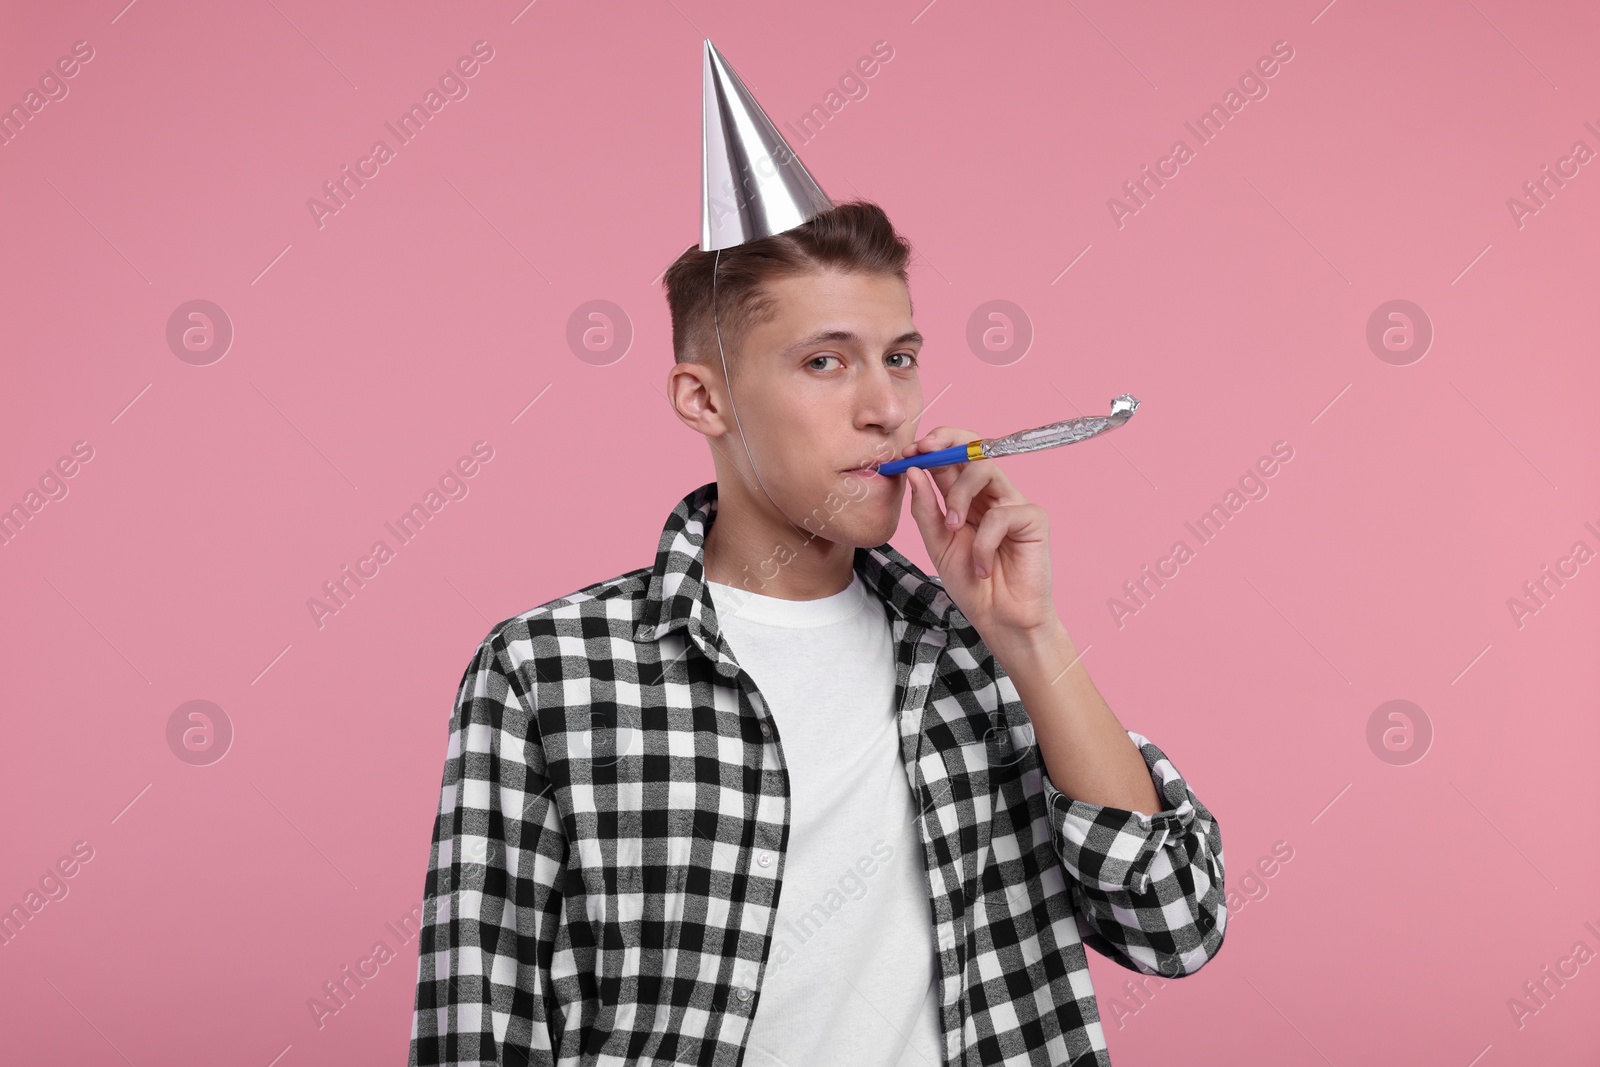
x=925, y=510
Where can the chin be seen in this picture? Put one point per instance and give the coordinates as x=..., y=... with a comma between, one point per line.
x=866, y=523
x=856, y=513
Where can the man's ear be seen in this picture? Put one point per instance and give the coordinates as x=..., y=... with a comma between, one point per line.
x=695, y=391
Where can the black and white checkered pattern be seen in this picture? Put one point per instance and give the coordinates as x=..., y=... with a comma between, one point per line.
x=609, y=847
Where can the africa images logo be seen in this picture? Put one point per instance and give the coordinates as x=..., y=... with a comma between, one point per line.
x=452, y=86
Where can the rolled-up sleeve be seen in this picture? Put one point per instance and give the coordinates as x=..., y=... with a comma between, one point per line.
x=492, y=900
x=1149, y=887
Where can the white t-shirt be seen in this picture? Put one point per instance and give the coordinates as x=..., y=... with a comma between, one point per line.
x=852, y=975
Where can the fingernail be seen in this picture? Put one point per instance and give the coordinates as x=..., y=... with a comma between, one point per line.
x=953, y=519
x=983, y=572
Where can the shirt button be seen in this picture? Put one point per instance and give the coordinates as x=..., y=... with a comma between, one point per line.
x=743, y=994
x=766, y=729
x=764, y=858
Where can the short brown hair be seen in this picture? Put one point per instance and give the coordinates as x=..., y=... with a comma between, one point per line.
x=854, y=236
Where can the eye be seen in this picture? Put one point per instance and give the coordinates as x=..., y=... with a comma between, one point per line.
x=814, y=359
x=910, y=355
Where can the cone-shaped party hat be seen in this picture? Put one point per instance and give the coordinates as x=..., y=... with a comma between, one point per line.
x=753, y=183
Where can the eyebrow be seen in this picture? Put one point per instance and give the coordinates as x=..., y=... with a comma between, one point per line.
x=828, y=336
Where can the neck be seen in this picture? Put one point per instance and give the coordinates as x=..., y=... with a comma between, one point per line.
x=758, y=550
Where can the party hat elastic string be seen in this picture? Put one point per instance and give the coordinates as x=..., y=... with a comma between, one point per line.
x=728, y=378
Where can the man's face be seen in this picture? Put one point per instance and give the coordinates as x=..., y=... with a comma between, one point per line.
x=827, y=386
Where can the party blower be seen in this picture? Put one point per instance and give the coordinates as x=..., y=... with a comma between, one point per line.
x=1054, y=435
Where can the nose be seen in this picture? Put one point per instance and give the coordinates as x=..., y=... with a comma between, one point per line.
x=882, y=400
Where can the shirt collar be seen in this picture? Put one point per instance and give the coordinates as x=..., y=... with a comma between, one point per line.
x=678, y=595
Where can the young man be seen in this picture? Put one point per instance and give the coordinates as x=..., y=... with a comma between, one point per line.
x=782, y=798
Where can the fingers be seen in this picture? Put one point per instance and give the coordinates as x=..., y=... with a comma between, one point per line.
x=981, y=477
x=932, y=441
x=1020, y=522
x=925, y=510
x=940, y=437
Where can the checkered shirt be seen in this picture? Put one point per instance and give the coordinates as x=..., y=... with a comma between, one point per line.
x=594, y=895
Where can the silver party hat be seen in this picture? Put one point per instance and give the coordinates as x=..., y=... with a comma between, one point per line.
x=753, y=183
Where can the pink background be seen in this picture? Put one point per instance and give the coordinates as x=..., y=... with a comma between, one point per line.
x=431, y=311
